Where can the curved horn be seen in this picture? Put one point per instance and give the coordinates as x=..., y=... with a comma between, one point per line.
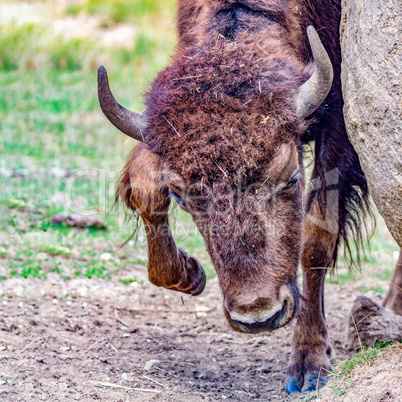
x=130, y=123
x=313, y=92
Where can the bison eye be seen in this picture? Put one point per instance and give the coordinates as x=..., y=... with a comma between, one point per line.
x=292, y=181
x=177, y=197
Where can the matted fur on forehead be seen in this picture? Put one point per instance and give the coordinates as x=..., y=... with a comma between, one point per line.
x=222, y=110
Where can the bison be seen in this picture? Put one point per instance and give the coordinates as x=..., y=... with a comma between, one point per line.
x=224, y=134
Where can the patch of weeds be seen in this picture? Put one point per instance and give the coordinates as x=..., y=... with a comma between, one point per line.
x=64, y=297
x=32, y=268
x=3, y=252
x=128, y=281
x=117, y=11
x=343, y=372
x=74, y=9
x=340, y=278
x=15, y=42
x=69, y=54
x=55, y=249
x=99, y=272
x=29, y=46
x=366, y=357
x=93, y=269
x=18, y=204
x=312, y=397
x=138, y=261
x=375, y=290
x=385, y=275
x=339, y=390
x=23, y=222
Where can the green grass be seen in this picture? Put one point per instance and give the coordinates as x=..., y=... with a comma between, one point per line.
x=367, y=356
x=373, y=289
x=343, y=370
x=50, y=122
x=118, y=11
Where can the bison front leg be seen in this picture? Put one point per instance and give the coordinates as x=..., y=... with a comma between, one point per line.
x=393, y=299
x=311, y=349
x=144, y=191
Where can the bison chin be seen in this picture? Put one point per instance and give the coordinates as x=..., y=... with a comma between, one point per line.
x=263, y=313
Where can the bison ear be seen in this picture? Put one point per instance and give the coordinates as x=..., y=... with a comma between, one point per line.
x=314, y=91
x=130, y=123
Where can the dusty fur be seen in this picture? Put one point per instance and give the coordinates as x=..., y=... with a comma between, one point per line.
x=224, y=138
x=227, y=96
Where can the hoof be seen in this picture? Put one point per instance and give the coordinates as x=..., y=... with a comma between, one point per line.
x=201, y=286
x=291, y=385
x=312, y=382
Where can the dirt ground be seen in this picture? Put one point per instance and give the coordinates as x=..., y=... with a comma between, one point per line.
x=380, y=381
x=63, y=341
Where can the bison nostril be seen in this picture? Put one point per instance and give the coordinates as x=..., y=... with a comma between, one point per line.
x=273, y=322
x=277, y=320
x=282, y=315
x=263, y=313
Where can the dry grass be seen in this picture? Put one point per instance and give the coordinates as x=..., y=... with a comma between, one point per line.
x=374, y=374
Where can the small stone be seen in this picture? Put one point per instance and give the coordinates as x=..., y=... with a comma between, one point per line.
x=150, y=364
x=126, y=335
x=84, y=305
x=78, y=221
x=55, y=301
x=106, y=257
x=2, y=348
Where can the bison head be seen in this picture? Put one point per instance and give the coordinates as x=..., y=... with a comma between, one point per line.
x=226, y=122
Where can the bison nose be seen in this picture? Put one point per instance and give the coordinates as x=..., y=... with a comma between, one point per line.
x=263, y=314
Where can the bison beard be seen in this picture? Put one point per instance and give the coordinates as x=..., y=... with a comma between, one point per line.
x=223, y=133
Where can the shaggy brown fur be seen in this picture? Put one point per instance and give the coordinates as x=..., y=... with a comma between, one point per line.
x=223, y=135
x=168, y=266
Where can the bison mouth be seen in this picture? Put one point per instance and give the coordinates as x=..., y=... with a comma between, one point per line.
x=270, y=319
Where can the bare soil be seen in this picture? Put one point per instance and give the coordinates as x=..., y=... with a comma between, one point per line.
x=65, y=341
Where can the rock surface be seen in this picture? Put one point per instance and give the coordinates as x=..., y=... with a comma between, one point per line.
x=370, y=323
x=371, y=37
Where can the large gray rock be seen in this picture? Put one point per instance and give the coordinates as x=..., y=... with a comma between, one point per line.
x=370, y=323
x=371, y=37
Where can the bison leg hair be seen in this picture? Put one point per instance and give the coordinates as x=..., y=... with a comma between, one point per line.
x=370, y=323
x=393, y=299
x=144, y=191
x=311, y=349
